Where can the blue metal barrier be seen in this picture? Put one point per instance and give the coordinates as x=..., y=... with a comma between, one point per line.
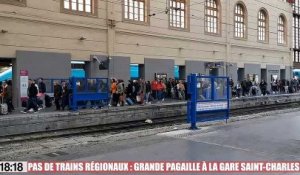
x=84, y=90
x=209, y=99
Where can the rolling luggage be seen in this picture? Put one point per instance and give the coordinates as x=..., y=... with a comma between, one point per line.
x=3, y=108
x=48, y=101
x=129, y=101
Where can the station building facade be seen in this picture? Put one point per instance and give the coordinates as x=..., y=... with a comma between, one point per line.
x=238, y=38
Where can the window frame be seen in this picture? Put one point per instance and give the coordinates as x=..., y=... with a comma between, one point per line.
x=186, y=17
x=218, y=17
x=94, y=8
x=146, y=14
x=245, y=16
x=263, y=10
x=14, y=2
x=284, y=26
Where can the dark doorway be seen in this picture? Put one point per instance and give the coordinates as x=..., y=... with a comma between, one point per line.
x=213, y=72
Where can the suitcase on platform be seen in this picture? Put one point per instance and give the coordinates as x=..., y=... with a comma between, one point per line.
x=48, y=101
x=3, y=108
x=129, y=101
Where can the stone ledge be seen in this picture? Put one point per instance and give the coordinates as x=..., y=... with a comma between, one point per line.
x=29, y=123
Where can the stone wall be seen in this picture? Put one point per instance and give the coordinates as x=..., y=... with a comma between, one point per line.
x=30, y=123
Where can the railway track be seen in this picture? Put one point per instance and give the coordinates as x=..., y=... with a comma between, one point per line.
x=137, y=125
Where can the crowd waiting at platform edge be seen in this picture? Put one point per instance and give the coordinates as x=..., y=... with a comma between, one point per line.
x=138, y=92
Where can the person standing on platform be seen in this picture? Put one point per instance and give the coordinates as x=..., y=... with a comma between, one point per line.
x=148, y=92
x=263, y=87
x=57, y=95
x=7, y=95
x=42, y=91
x=65, y=95
x=120, y=91
x=160, y=89
x=113, y=90
x=154, y=88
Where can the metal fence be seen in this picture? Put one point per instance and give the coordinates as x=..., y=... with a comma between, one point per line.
x=209, y=98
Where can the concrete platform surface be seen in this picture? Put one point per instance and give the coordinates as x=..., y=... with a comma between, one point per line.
x=53, y=121
x=273, y=138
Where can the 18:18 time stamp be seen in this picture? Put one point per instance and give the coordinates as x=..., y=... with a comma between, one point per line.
x=10, y=167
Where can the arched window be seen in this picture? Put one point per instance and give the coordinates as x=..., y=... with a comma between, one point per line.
x=240, y=25
x=178, y=14
x=262, y=28
x=212, y=19
x=87, y=7
x=136, y=10
x=281, y=30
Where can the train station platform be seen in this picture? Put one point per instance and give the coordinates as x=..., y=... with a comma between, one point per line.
x=18, y=124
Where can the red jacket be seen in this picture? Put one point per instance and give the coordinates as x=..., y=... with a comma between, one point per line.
x=154, y=85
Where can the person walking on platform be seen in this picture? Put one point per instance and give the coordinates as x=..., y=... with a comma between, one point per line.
x=57, y=95
x=32, y=97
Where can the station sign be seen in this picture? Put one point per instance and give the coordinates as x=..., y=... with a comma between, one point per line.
x=23, y=83
x=211, y=106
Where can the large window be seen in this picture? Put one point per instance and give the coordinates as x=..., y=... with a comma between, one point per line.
x=296, y=31
x=281, y=30
x=240, y=25
x=80, y=6
x=178, y=13
x=262, y=28
x=212, y=16
x=135, y=10
x=14, y=2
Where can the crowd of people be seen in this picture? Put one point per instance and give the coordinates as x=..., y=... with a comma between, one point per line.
x=145, y=92
x=252, y=88
x=136, y=92
x=38, y=99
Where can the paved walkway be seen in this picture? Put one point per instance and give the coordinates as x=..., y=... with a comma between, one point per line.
x=273, y=138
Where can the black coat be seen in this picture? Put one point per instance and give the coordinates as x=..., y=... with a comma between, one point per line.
x=57, y=91
x=42, y=87
x=32, y=91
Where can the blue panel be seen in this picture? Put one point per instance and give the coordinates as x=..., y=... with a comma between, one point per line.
x=134, y=71
x=176, y=72
x=6, y=75
x=79, y=73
